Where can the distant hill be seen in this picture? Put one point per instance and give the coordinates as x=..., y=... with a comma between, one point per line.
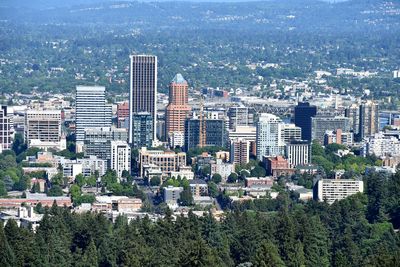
x=297, y=15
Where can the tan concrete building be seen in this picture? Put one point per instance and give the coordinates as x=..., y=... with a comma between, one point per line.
x=167, y=161
x=43, y=129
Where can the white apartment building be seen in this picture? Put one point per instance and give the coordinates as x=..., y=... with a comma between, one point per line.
x=222, y=168
x=298, y=153
x=269, y=139
x=382, y=145
x=120, y=157
x=330, y=190
x=6, y=129
x=176, y=139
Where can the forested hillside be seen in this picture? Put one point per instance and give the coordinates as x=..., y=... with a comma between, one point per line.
x=356, y=231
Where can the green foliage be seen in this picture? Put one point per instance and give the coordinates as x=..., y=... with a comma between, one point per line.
x=155, y=181
x=80, y=180
x=199, y=150
x=232, y=178
x=3, y=189
x=55, y=191
x=216, y=178
x=267, y=255
x=327, y=159
x=59, y=180
x=176, y=182
x=7, y=255
x=186, y=197
x=213, y=189
x=258, y=171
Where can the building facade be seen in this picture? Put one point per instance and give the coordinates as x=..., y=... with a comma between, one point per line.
x=369, y=119
x=331, y=190
x=167, y=161
x=240, y=151
x=289, y=132
x=43, y=129
x=142, y=130
x=353, y=113
x=97, y=141
x=215, y=134
x=91, y=110
x=120, y=157
x=338, y=137
x=122, y=114
x=178, y=109
x=143, y=89
x=6, y=129
x=303, y=113
x=321, y=124
x=269, y=139
x=240, y=116
x=298, y=153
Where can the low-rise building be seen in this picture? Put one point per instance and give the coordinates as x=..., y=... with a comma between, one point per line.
x=172, y=195
x=34, y=199
x=183, y=172
x=222, y=168
x=277, y=166
x=198, y=187
x=331, y=190
x=256, y=182
x=168, y=161
x=23, y=216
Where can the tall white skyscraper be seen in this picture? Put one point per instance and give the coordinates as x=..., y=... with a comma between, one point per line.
x=143, y=89
x=91, y=110
x=269, y=138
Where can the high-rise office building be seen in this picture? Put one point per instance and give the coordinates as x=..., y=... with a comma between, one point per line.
x=240, y=116
x=142, y=130
x=120, y=157
x=143, y=89
x=298, y=153
x=215, y=133
x=369, y=119
x=240, y=151
x=178, y=109
x=6, y=129
x=43, y=129
x=303, y=113
x=269, y=139
x=321, y=124
x=91, y=110
x=353, y=113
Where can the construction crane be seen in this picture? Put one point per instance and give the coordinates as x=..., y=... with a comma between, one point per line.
x=202, y=125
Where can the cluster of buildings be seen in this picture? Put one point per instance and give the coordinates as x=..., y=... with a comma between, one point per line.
x=163, y=129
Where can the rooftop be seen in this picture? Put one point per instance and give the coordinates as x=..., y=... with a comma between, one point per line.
x=178, y=79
